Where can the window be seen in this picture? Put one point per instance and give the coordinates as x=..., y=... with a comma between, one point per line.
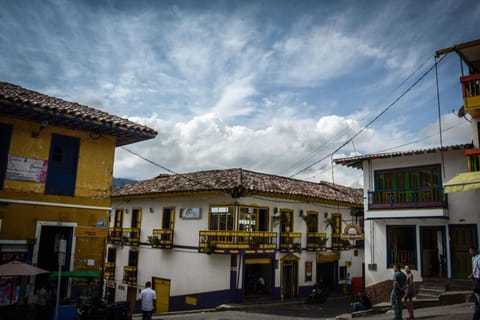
x=253, y=219
x=62, y=165
x=336, y=225
x=414, y=185
x=5, y=136
x=401, y=245
x=111, y=254
x=221, y=218
x=312, y=221
x=118, y=223
x=136, y=218
x=168, y=218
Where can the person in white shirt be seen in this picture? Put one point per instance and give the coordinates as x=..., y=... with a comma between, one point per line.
x=148, y=298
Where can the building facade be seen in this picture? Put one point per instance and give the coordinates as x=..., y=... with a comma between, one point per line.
x=227, y=236
x=413, y=212
x=56, y=163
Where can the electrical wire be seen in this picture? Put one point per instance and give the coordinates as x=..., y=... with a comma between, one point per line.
x=394, y=102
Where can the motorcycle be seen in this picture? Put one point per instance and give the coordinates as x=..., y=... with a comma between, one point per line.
x=319, y=293
x=100, y=309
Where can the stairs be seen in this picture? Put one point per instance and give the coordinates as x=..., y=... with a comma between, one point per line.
x=430, y=291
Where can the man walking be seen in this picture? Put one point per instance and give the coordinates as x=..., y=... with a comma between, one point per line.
x=148, y=298
x=399, y=281
x=475, y=277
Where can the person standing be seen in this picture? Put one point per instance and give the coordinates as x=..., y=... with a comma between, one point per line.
x=475, y=277
x=399, y=281
x=148, y=298
x=409, y=292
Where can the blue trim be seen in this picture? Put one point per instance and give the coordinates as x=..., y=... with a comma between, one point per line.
x=233, y=278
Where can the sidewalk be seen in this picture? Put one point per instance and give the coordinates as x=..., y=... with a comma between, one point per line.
x=461, y=311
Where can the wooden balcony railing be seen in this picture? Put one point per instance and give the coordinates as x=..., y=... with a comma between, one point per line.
x=234, y=241
x=114, y=235
x=131, y=236
x=290, y=241
x=161, y=238
x=130, y=275
x=471, y=93
x=407, y=198
x=473, y=157
x=109, y=270
x=316, y=241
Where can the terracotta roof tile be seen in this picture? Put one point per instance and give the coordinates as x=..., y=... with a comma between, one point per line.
x=240, y=182
x=25, y=103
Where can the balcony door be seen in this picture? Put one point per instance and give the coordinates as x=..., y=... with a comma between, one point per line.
x=286, y=220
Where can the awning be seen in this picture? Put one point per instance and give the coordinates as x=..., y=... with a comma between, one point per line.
x=463, y=182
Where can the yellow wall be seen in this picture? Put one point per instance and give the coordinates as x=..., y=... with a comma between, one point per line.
x=95, y=164
x=19, y=221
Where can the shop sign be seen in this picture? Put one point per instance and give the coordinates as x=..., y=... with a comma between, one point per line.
x=352, y=232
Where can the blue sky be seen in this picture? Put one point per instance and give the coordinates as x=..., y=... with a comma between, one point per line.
x=271, y=86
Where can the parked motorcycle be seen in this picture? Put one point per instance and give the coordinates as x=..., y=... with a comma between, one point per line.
x=100, y=309
x=319, y=293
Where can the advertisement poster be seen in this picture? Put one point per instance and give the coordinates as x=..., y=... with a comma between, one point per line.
x=25, y=169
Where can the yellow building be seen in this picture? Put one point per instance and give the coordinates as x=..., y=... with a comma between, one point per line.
x=56, y=163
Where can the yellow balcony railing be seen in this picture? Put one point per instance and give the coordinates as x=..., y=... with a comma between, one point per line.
x=316, y=241
x=471, y=94
x=290, y=241
x=228, y=241
x=161, y=238
x=114, y=235
x=130, y=275
x=109, y=270
x=131, y=236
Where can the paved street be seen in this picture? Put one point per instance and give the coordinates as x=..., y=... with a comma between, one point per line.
x=334, y=307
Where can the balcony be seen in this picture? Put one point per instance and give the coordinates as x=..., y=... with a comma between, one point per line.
x=471, y=94
x=316, y=241
x=407, y=198
x=161, y=239
x=237, y=241
x=130, y=275
x=290, y=241
x=109, y=270
x=131, y=236
x=473, y=158
x=114, y=235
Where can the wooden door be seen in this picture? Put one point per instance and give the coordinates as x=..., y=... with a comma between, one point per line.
x=162, y=289
x=462, y=237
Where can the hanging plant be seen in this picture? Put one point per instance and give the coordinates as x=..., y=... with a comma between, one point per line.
x=309, y=219
x=330, y=222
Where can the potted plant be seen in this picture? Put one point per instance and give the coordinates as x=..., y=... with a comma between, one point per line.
x=154, y=241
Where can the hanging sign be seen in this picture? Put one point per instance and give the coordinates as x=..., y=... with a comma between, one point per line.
x=352, y=232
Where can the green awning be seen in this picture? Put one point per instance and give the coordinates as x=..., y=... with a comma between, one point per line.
x=463, y=182
x=75, y=274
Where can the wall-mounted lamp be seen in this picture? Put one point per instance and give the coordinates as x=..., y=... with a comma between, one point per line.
x=325, y=215
x=275, y=211
x=43, y=125
x=151, y=210
x=127, y=211
x=300, y=213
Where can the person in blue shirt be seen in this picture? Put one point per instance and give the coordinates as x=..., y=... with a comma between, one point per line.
x=475, y=277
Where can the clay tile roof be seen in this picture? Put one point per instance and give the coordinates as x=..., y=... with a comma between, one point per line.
x=32, y=105
x=357, y=161
x=240, y=182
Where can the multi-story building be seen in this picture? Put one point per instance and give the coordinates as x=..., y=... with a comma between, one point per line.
x=56, y=163
x=208, y=238
x=412, y=213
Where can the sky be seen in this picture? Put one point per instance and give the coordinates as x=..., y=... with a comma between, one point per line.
x=278, y=87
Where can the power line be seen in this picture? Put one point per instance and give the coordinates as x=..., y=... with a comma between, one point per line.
x=375, y=118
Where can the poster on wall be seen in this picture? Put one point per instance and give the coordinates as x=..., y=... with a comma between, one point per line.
x=26, y=169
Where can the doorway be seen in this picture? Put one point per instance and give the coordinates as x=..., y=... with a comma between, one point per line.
x=433, y=252
x=162, y=290
x=289, y=277
x=462, y=237
x=326, y=274
x=258, y=277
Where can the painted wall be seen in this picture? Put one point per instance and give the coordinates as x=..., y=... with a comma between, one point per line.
x=192, y=272
x=462, y=209
x=25, y=205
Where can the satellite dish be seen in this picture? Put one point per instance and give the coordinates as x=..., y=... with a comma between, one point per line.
x=461, y=112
